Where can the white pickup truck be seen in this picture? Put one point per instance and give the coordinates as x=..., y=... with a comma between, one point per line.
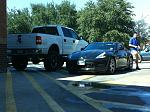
x=50, y=44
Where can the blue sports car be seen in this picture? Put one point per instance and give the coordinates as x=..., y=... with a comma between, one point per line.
x=100, y=57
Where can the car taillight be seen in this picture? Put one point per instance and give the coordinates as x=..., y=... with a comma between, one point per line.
x=38, y=40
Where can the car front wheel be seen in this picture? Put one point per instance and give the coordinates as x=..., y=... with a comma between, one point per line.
x=111, y=66
x=71, y=67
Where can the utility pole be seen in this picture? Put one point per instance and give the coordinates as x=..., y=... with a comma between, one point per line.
x=3, y=37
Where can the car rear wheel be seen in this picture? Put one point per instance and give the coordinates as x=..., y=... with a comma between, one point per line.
x=111, y=66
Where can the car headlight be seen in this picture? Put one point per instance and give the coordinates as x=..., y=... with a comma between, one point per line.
x=102, y=55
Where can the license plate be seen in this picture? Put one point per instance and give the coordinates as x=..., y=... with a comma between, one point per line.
x=81, y=62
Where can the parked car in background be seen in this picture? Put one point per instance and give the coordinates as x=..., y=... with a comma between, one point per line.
x=100, y=57
x=145, y=54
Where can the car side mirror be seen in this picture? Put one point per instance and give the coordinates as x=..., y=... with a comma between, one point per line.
x=82, y=49
x=146, y=50
x=121, y=47
x=81, y=38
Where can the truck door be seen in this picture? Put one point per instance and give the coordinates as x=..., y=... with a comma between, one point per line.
x=68, y=41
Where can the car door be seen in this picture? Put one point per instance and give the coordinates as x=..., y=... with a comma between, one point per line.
x=121, y=56
x=146, y=53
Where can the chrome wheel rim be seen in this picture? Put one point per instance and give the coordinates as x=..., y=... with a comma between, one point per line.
x=112, y=66
x=130, y=63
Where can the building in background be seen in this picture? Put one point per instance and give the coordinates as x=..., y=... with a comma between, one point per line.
x=3, y=35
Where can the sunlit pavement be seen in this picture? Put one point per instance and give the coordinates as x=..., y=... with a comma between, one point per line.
x=36, y=90
x=134, y=77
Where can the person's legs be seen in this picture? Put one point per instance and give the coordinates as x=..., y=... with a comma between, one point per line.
x=135, y=53
x=136, y=61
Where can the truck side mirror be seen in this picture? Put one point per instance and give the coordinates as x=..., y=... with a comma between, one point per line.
x=81, y=38
x=121, y=47
x=82, y=49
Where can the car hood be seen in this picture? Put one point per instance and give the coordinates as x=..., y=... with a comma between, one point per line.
x=88, y=54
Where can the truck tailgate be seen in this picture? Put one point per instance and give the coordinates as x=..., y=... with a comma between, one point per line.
x=21, y=41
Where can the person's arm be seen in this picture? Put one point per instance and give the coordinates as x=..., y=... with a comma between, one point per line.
x=131, y=45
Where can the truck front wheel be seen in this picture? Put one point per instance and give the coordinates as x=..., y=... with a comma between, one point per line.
x=52, y=61
x=19, y=63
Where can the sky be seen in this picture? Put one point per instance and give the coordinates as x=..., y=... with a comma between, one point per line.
x=141, y=10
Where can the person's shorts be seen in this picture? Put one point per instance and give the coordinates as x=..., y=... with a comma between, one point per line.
x=134, y=52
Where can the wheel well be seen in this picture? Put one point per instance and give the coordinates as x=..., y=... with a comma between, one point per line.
x=53, y=47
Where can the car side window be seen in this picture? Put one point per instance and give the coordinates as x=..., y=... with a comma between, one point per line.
x=66, y=32
x=148, y=49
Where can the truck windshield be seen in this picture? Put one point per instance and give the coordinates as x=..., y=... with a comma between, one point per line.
x=46, y=30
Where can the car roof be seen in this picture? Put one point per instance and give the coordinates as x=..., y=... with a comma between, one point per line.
x=105, y=42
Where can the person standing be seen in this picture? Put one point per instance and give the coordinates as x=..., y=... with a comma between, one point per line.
x=135, y=47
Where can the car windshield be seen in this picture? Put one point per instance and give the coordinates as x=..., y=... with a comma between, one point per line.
x=101, y=46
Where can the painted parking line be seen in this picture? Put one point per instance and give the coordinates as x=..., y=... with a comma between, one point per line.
x=49, y=100
x=98, y=106
x=10, y=100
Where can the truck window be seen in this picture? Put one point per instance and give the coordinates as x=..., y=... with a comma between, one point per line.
x=74, y=35
x=46, y=30
x=66, y=32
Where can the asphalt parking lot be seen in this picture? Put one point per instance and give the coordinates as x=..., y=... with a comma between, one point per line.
x=35, y=90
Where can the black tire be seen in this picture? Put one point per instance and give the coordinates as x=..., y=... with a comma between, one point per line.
x=139, y=58
x=112, y=66
x=35, y=60
x=19, y=63
x=130, y=63
x=71, y=68
x=53, y=61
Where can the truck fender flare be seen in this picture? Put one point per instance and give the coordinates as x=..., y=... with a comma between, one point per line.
x=54, y=47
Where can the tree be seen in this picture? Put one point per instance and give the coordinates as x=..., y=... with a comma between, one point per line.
x=115, y=35
x=22, y=21
x=19, y=21
x=97, y=19
x=142, y=29
x=43, y=14
x=67, y=14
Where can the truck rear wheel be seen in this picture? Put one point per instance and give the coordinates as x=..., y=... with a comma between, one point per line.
x=19, y=63
x=53, y=61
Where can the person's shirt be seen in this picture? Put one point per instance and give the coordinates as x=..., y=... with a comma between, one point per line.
x=135, y=42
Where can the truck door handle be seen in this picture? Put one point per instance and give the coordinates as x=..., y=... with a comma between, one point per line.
x=64, y=40
x=73, y=41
